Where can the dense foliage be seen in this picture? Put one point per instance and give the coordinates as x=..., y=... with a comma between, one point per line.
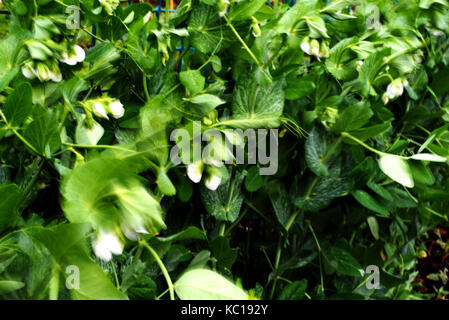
x=357, y=91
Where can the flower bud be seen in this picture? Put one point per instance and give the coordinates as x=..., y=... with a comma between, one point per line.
x=255, y=28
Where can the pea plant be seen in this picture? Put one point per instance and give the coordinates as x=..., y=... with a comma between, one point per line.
x=104, y=105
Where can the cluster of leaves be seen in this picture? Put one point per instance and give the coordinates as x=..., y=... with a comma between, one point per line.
x=363, y=148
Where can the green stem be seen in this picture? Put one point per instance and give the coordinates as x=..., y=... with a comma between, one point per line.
x=145, y=87
x=363, y=144
x=243, y=42
x=17, y=133
x=319, y=255
x=163, y=269
x=276, y=266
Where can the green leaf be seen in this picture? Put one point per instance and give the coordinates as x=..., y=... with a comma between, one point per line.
x=223, y=253
x=317, y=152
x=397, y=169
x=256, y=106
x=353, y=117
x=88, y=136
x=339, y=63
x=366, y=200
x=373, y=226
x=11, y=197
x=18, y=105
x=280, y=201
x=164, y=183
x=323, y=192
x=67, y=245
x=207, y=102
x=317, y=27
x=370, y=69
x=345, y=263
x=225, y=203
x=421, y=173
x=244, y=9
x=202, y=284
x=43, y=134
x=253, y=180
x=192, y=80
x=187, y=234
x=294, y=290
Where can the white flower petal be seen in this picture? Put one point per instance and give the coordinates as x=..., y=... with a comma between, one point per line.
x=28, y=73
x=80, y=54
x=212, y=182
x=117, y=109
x=111, y=242
x=101, y=250
x=194, y=172
x=305, y=46
x=99, y=110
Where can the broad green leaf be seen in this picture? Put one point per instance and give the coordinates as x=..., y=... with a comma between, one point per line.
x=397, y=169
x=88, y=136
x=244, y=9
x=280, y=201
x=202, y=284
x=370, y=69
x=421, y=173
x=43, y=134
x=323, y=192
x=67, y=245
x=207, y=102
x=317, y=27
x=18, y=105
x=223, y=253
x=256, y=106
x=318, y=150
x=353, y=117
x=192, y=80
x=253, y=180
x=366, y=200
x=225, y=203
x=294, y=290
x=346, y=264
x=11, y=197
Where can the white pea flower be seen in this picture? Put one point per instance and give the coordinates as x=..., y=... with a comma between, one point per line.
x=195, y=171
x=28, y=71
x=72, y=58
x=385, y=98
x=107, y=244
x=324, y=50
x=116, y=109
x=99, y=110
x=213, y=181
x=305, y=45
x=395, y=88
